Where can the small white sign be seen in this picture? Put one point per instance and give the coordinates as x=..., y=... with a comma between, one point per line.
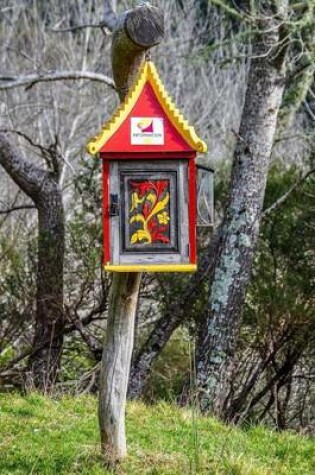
x=147, y=131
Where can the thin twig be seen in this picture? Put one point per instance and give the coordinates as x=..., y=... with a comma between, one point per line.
x=286, y=195
x=230, y=10
x=102, y=25
x=16, y=208
x=30, y=79
x=110, y=17
x=108, y=22
x=91, y=317
x=309, y=110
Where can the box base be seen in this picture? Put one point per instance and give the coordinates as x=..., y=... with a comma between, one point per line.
x=152, y=268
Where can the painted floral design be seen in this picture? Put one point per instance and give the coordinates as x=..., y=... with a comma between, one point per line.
x=149, y=210
x=163, y=218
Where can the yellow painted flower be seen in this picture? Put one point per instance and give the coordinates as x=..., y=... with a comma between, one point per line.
x=163, y=218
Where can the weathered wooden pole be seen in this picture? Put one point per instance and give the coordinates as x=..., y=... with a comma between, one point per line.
x=134, y=32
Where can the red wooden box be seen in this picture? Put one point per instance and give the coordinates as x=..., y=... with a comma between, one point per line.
x=148, y=152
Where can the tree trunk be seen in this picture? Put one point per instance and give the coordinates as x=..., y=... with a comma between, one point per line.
x=42, y=187
x=218, y=330
x=135, y=31
x=45, y=361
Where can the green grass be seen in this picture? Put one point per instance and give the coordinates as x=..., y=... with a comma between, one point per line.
x=45, y=436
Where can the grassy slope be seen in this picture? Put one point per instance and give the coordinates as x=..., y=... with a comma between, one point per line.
x=46, y=436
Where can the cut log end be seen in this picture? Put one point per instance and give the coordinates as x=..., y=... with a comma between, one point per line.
x=144, y=25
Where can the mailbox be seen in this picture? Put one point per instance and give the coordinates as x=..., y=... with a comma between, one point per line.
x=148, y=151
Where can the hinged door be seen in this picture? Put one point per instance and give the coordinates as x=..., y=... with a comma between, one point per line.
x=149, y=212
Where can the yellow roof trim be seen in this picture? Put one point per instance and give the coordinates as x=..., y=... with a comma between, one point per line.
x=148, y=73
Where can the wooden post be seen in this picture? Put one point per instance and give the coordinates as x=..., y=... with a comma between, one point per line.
x=134, y=33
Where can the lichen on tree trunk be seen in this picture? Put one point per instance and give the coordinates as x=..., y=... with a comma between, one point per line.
x=218, y=330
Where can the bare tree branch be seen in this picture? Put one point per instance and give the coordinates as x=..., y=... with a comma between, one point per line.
x=102, y=25
x=309, y=110
x=94, y=346
x=109, y=16
x=16, y=208
x=233, y=12
x=30, y=80
x=26, y=174
x=108, y=22
x=94, y=315
x=45, y=152
x=286, y=195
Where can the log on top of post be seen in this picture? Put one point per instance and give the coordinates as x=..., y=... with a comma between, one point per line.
x=136, y=31
x=148, y=151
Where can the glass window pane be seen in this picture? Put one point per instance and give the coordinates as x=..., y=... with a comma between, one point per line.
x=204, y=196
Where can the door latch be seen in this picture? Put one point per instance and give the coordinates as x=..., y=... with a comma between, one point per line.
x=113, y=206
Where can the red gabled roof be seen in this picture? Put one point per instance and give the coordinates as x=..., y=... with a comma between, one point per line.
x=149, y=105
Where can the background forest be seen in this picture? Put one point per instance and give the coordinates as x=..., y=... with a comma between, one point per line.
x=56, y=92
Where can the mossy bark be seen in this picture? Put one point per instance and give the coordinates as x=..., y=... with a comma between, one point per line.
x=219, y=327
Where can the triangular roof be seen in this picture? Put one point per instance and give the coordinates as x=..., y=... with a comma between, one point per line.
x=147, y=75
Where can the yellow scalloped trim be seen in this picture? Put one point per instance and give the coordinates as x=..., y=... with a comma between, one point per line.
x=148, y=73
